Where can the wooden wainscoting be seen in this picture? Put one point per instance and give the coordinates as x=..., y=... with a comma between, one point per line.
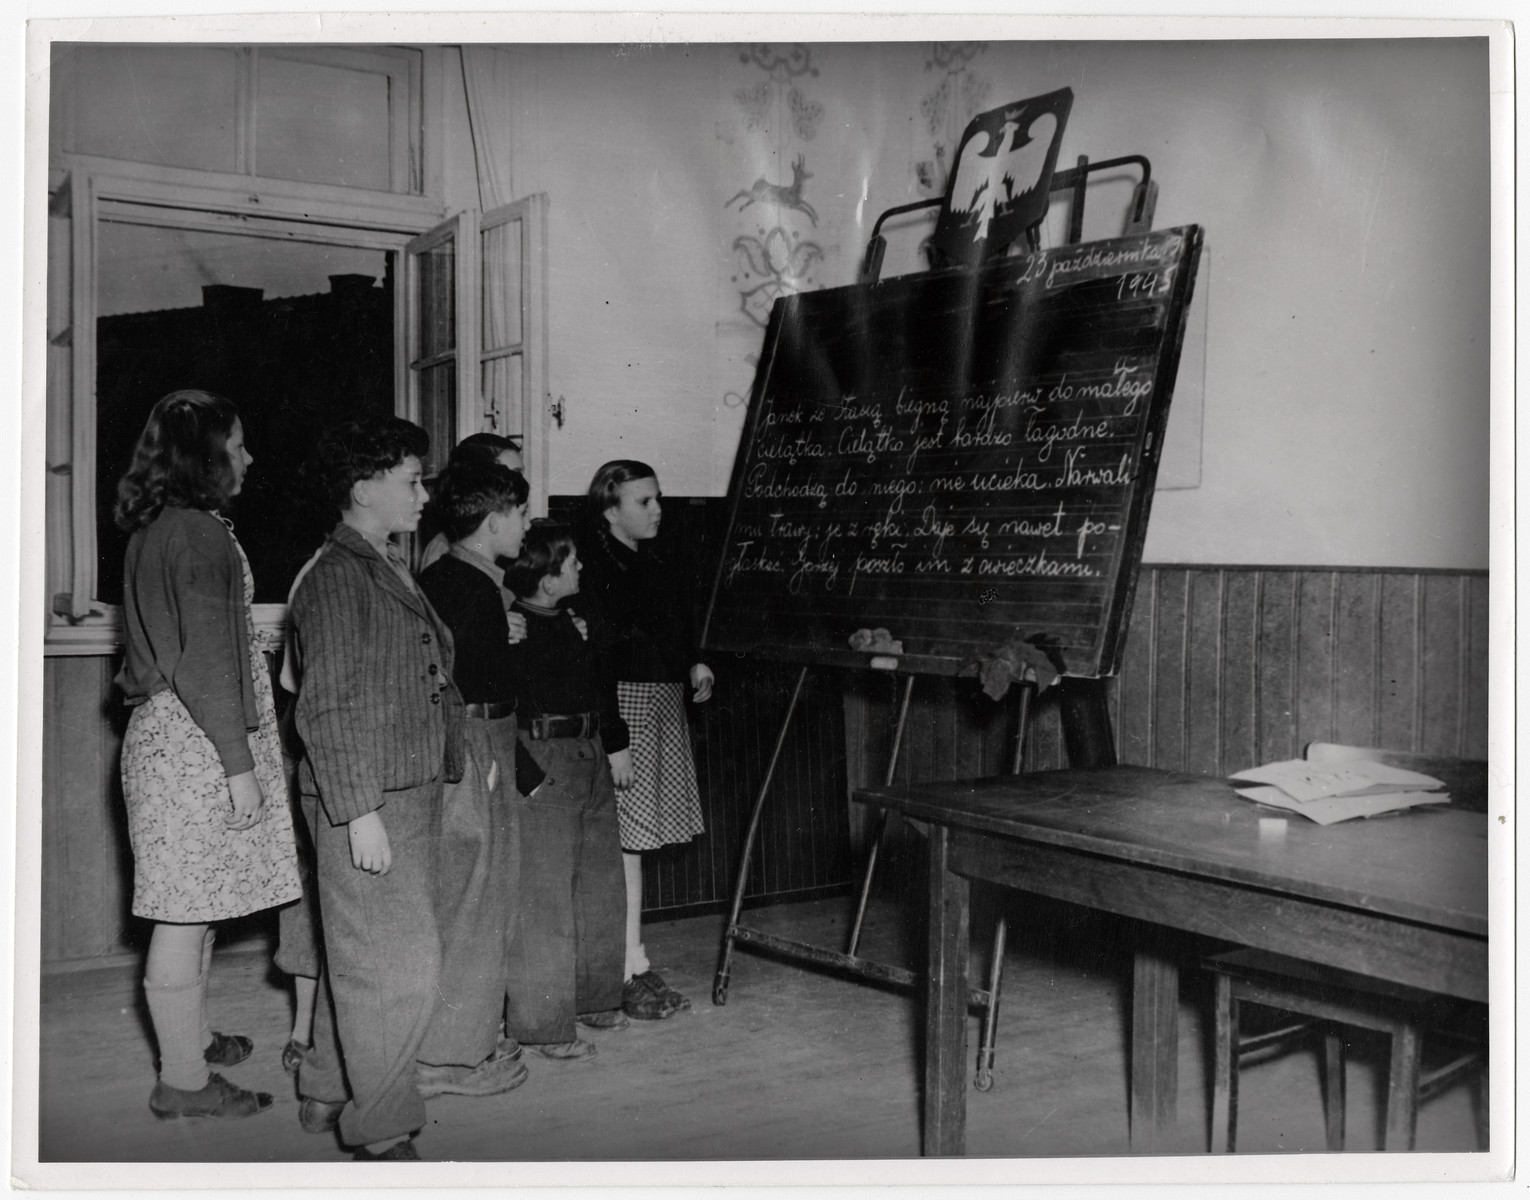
x=1225, y=667
x=87, y=865
x=802, y=849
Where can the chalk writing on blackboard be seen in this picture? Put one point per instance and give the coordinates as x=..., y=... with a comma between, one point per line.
x=956, y=457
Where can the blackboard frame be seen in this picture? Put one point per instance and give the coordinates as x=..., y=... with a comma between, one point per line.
x=1104, y=659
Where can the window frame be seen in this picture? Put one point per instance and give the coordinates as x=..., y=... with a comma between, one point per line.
x=405, y=128
x=415, y=104
x=78, y=622
x=459, y=229
x=465, y=231
x=531, y=213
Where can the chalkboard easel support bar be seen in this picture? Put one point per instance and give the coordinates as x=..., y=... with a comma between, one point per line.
x=876, y=247
x=733, y=931
x=725, y=961
x=986, y=1001
x=865, y=968
x=876, y=839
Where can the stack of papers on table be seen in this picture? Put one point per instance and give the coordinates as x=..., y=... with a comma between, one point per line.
x=1329, y=792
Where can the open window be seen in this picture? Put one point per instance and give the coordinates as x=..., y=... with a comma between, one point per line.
x=476, y=293
x=155, y=286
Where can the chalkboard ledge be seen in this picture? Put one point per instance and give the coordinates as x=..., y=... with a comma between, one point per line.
x=915, y=664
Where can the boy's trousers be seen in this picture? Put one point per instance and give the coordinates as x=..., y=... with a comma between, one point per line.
x=382, y=963
x=568, y=948
x=476, y=888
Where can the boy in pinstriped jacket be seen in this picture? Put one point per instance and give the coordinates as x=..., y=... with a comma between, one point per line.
x=381, y=725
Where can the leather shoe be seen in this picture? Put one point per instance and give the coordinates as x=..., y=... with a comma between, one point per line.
x=403, y=1151
x=293, y=1054
x=218, y=1099
x=319, y=1116
x=227, y=1050
x=508, y=1048
x=646, y=998
x=488, y=1078
x=680, y=1003
x=567, y=1051
x=611, y=1018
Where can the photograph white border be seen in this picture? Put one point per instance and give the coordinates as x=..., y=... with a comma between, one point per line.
x=21, y=655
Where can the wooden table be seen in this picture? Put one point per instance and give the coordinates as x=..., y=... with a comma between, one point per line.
x=1401, y=897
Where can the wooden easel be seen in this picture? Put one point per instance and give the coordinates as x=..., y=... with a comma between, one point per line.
x=848, y=960
x=1088, y=738
x=1085, y=720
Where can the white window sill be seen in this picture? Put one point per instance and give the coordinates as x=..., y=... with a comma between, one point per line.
x=100, y=633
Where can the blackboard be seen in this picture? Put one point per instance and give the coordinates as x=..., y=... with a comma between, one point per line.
x=960, y=457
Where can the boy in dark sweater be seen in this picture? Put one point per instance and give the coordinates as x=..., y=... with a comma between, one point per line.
x=483, y=507
x=567, y=950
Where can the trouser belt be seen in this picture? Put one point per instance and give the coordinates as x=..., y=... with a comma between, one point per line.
x=491, y=712
x=561, y=725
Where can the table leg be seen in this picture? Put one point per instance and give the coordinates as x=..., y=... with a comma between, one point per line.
x=1402, y=1088
x=945, y=1022
x=1155, y=1049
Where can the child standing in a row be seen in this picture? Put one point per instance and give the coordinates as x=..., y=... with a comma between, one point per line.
x=645, y=604
x=566, y=952
x=381, y=724
x=477, y=449
x=201, y=762
x=483, y=508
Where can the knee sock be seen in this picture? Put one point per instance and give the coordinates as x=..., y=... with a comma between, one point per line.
x=176, y=1010
x=304, y=989
x=637, y=954
x=203, y=1024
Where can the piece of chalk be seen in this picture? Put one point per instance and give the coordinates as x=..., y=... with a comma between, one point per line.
x=884, y=662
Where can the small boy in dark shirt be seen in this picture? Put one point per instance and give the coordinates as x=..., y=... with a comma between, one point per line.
x=568, y=949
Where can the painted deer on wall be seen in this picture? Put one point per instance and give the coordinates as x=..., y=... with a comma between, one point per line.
x=765, y=192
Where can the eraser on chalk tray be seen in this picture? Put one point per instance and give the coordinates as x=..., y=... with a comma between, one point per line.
x=1272, y=829
x=884, y=662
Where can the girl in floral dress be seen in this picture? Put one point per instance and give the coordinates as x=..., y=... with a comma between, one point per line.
x=202, y=773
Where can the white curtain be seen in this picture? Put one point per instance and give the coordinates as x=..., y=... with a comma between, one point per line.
x=486, y=73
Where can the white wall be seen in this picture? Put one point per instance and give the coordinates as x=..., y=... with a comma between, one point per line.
x=1342, y=186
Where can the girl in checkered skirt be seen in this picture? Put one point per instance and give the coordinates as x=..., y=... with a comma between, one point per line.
x=646, y=609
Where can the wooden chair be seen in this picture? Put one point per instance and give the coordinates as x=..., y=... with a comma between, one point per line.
x=1321, y=1000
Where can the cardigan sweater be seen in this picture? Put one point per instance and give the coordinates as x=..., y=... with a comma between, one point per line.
x=183, y=614
x=644, y=605
x=377, y=710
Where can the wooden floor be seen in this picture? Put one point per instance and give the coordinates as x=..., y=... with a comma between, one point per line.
x=797, y=1065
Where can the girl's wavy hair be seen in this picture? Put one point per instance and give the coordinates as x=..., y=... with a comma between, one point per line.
x=180, y=461
x=606, y=487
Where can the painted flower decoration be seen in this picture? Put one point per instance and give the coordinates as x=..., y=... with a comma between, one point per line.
x=780, y=263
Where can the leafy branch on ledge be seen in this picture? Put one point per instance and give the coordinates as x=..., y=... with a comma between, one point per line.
x=1019, y=658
